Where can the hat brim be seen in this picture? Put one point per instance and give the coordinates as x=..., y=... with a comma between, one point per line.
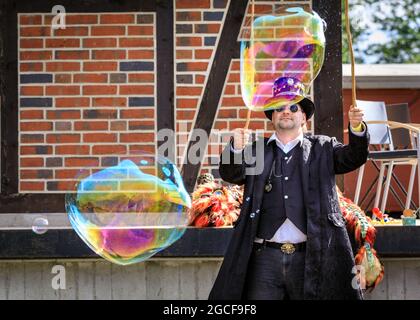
x=306, y=104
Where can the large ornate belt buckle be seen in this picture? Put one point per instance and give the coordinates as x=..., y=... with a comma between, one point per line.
x=288, y=248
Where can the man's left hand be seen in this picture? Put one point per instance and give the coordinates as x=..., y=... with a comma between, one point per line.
x=355, y=116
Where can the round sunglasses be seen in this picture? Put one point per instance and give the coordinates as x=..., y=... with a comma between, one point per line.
x=293, y=108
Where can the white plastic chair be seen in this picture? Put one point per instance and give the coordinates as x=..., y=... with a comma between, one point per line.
x=379, y=126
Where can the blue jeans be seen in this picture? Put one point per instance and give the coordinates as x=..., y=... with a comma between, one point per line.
x=274, y=275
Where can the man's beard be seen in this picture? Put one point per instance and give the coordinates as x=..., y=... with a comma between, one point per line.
x=286, y=125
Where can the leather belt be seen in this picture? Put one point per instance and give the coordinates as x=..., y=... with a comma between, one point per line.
x=287, y=248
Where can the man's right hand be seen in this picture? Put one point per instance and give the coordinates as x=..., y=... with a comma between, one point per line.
x=240, y=138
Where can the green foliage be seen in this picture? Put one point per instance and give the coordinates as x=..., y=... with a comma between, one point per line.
x=398, y=20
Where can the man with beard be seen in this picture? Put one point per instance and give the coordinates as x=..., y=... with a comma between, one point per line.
x=290, y=241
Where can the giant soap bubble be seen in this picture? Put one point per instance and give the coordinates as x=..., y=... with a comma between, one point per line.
x=287, y=44
x=128, y=212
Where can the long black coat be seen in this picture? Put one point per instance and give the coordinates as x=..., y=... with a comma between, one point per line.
x=329, y=256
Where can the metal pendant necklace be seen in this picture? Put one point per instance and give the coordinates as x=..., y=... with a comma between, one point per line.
x=269, y=186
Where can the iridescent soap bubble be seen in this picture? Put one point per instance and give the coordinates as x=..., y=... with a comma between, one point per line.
x=40, y=225
x=128, y=212
x=288, y=43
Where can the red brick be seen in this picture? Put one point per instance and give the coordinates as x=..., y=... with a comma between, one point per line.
x=184, y=54
x=31, y=43
x=188, y=91
x=221, y=125
x=197, y=66
x=32, y=186
x=234, y=77
x=109, y=149
x=136, y=42
x=229, y=89
x=31, y=66
x=203, y=53
x=81, y=162
x=199, y=79
x=107, y=31
x=137, y=114
x=62, y=78
x=63, y=114
x=142, y=148
x=109, y=102
x=136, y=137
x=257, y=125
x=31, y=162
x=31, y=90
x=99, y=89
x=31, y=114
x=261, y=8
x=188, y=16
x=229, y=113
x=141, y=125
x=63, y=66
x=35, y=31
x=99, y=137
x=62, y=185
x=90, y=125
x=36, y=126
x=62, y=43
x=140, y=30
x=185, y=115
x=30, y=19
x=236, y=66
x=81, y=18
x=100, y=66
x=100, y=114
x=99, y=42
x=208, y=28
x=72, y=31
x=36, y=174
x=26, y=150
x=118, y=125
x=32, y=138
x=236, y=124
x=141, y=54
x=35, y=55
x=71, y=102
x=108, y=54
x=116, y=18
x=69, y=174
x=233, y=101
x=63, y=138
x=72, y=149
x=188, y=41
x=137, y=89
x=188, y=4
x=141, y=77
x=62, y=90
x=90, y=77
x=243, y=113
x=72, y=54
x=186, y=103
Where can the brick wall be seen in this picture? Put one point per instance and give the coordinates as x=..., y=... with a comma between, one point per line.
x=87, y=93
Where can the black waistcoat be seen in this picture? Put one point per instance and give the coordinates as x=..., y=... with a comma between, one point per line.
x=285, y=200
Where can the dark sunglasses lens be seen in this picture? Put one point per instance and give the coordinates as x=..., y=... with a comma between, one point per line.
x=294, y=108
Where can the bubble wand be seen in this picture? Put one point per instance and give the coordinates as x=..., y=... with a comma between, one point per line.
x=349, y=40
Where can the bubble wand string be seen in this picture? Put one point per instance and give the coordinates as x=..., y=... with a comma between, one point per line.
x=349, y=40
x=248, y=115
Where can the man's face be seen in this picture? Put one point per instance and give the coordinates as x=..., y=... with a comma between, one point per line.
x=285, y=119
